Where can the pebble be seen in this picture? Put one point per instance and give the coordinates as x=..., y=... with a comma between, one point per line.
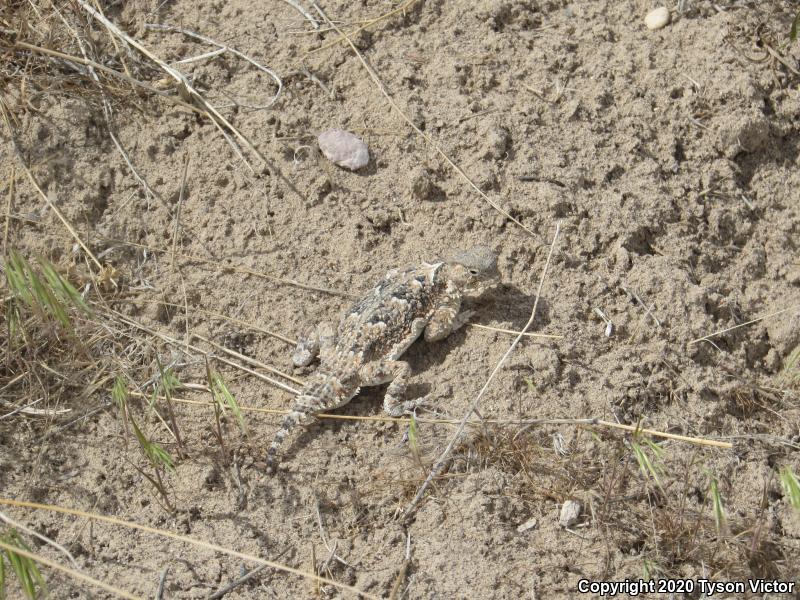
x=529, y=524
x=344, y=149
x=657, y=18
x=570, y=513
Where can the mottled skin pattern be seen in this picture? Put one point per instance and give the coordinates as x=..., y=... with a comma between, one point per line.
x=378, y=329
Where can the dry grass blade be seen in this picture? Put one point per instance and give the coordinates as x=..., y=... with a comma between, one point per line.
x=234, y=51
x=745, y=324
x=233, y=268
x=342, y=37
x=589, y=422
x=511, y=332
x=186, y=540
x=441, y=461
x=109, y=71
x=298, y=7
x=247, y=359
x=177, y=343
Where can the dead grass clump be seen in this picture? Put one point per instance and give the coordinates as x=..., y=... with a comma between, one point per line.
x=52, y=348
x=639, y=499
x=63, y=362
x=46, y=56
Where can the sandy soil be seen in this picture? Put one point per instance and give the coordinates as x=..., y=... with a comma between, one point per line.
x=671, y=160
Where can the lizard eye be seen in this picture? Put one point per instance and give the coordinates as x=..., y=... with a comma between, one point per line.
x=474, y=272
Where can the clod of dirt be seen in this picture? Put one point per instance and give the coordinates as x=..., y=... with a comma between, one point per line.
x=423, y=187
x=657, y=18
x=570, y=513
x=742, y=131
x=495, y=142
x=344, y=149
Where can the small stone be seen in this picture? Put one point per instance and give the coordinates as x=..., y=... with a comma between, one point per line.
x=570, y=513
x=657, y=18
x=344, y=149
x=529, y=524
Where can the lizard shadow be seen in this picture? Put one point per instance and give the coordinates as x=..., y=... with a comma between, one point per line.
x=511, y=304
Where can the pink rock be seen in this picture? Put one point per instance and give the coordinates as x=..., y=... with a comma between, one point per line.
x=344, y=149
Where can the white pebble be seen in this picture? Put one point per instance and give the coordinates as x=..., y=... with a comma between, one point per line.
x=657, y=18
x=570, y=513
x=529, y=524
x=344, y=149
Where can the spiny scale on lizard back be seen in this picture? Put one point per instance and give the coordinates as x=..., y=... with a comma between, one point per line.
x=382, y=319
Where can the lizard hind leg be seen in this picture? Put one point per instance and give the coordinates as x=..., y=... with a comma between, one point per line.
x=395, y=372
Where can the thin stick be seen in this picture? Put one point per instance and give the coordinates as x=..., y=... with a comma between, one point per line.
x=178, y=211
x=342, y=37
x=589, y=422
x=401, y=574
x=419, y=132
x=440, y=462
x=534, y=335
x=161, y=582
x=296, y=5
x=217, y=315
x=756, y=320
x=173, y=536
x=46, y=198
x=234, y=268
x=75, y=574
x=9, y=207
x=236, y=583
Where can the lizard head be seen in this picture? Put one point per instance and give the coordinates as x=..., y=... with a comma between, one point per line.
x=474, y=270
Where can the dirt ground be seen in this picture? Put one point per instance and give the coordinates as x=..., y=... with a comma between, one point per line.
x=669, y=158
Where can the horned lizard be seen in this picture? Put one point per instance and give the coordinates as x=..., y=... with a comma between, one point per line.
x=378, y=329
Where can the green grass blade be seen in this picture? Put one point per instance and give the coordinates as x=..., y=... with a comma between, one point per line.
x=63, y=288
x=28, y=574
x=716, y=503
x=2, y=576
x=50, y=294
x=119, y=393
x=649, y=468
x=15, y=276
x=225, y=399
x=795, y=27
x=791, y=486
x=157, y=456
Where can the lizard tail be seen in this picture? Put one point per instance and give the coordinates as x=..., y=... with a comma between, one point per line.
x=288, y=423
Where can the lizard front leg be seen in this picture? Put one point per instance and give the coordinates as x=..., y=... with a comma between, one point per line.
x=312, y=342
x=446, y=319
